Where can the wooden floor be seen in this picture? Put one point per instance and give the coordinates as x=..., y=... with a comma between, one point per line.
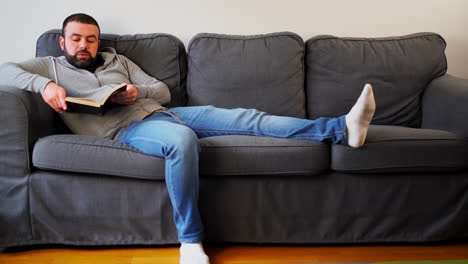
x=236, y=254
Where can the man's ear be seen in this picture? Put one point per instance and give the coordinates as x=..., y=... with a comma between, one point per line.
x=62, y=42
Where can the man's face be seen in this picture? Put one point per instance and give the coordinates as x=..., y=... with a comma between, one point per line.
x=80, y=44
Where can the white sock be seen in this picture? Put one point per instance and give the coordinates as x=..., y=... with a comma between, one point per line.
x=360, y=116
x=193, y=253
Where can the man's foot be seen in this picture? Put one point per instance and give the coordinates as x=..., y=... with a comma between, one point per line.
x=360, y=116
x=193, y=254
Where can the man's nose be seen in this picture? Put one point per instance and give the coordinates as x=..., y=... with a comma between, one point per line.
x=83, y=44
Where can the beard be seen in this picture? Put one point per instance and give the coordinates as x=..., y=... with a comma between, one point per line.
x=82, y=63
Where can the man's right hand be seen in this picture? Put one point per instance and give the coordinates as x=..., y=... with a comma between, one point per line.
x=54, y=96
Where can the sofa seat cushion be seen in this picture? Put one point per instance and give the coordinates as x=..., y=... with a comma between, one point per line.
x=225, y=155
x=402, y=149
x=249, y=155
x=88, y=154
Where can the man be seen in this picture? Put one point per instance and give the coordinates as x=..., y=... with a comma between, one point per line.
x=141, y=121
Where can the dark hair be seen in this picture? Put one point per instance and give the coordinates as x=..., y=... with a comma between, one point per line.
x=81, y=18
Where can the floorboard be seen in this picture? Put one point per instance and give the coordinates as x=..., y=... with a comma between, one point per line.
x=235, y=254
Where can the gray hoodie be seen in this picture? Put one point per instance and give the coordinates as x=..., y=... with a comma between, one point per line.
x=33, y=75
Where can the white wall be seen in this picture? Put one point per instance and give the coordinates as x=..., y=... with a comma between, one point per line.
x=22, y=21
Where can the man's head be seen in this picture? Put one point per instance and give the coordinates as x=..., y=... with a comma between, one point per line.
x=80, y=40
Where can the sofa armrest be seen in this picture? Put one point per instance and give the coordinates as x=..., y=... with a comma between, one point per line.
x=24, y=117
x=445, y=105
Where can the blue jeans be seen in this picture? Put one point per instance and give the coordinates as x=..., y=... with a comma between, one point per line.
x=173, y=134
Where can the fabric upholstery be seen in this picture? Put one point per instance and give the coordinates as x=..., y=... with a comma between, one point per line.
x=226, y=155
x=159, y=55
x=402, y=149
x=336, y=208
x=87, y=209
x=84, y=209
x=444, y=105
x=264, y=72
x=20, y=111
x=248, y=155
x=399, y=68
x=87, y=154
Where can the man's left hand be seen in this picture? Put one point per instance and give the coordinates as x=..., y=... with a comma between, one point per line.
x=127, y=97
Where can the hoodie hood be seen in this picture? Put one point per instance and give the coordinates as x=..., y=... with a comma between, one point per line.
x=108, y=54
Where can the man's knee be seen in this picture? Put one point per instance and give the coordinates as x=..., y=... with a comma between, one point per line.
x=184, y=140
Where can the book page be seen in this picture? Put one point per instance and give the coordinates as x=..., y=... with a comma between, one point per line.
x=115, y=90
x=98, y=97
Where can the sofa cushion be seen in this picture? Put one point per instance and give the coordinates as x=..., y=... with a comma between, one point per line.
x=264, y=72
x=402, y=149
x=160, y=55
x=250, y=155
x=399, y=68
x=88, y=154
x=225, y=155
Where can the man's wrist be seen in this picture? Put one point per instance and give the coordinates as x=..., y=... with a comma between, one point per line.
x=44, y=87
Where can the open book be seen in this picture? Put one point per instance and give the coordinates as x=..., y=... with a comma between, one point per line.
x=91, y=105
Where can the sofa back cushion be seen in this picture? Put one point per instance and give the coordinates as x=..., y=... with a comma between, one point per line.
x=265, y=72
x=159, y=55
x=399, y=68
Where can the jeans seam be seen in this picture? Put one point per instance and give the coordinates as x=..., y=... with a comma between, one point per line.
x=229, y=132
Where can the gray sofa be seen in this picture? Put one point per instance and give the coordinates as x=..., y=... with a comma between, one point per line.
x=408, y=183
